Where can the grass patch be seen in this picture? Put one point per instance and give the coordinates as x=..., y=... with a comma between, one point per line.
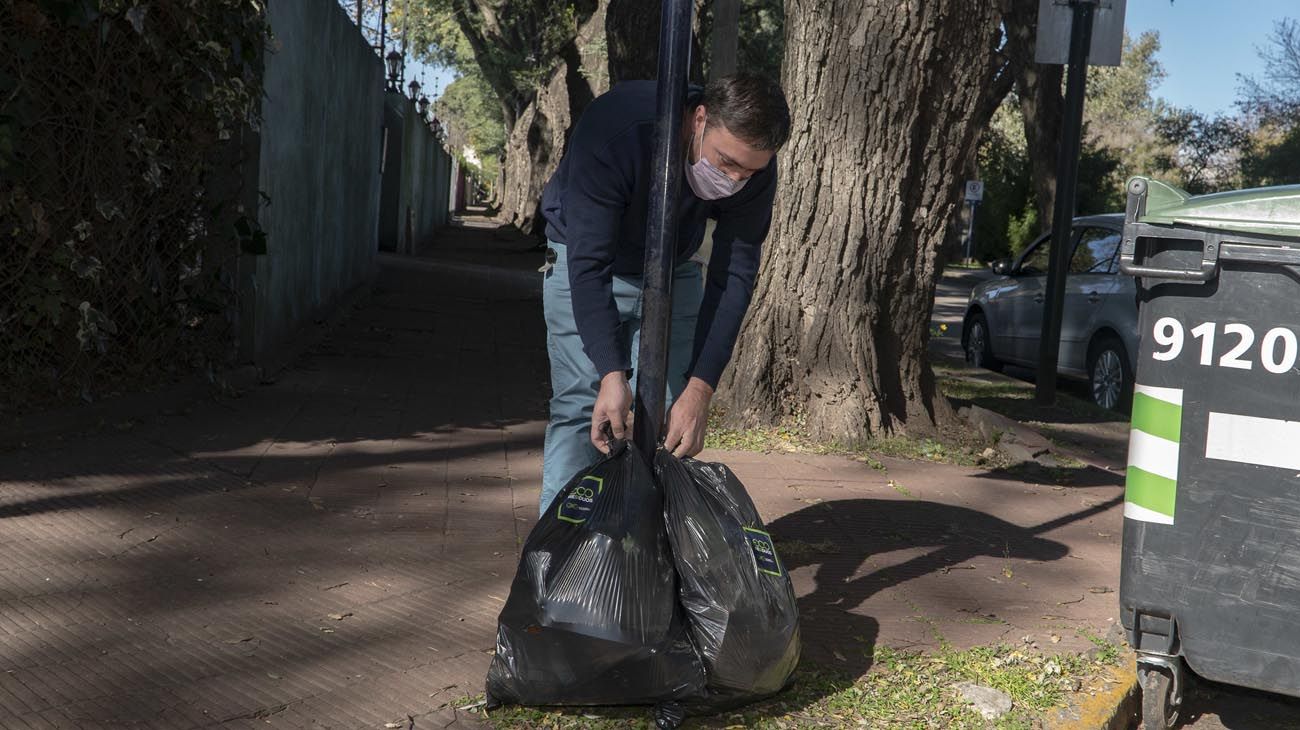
x=962, y=448
x=909, y=690
x=928, y=449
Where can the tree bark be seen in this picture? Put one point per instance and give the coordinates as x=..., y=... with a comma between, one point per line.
x=1042, y=105
x=884, y=98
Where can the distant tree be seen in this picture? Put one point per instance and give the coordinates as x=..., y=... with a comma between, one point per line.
x=1276, y=95
x=762, y=36
x=1272, y=156
x=1204, y=152
x=1018, y=154
x=1272, y=106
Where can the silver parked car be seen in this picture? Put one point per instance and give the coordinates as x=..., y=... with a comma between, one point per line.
x=1004, y=317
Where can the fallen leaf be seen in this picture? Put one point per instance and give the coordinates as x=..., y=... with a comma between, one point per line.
x=1101, y=589
x=1056, y=639
x=272, y=675
x=340, y=616
x=238, y=640
x=326, y=629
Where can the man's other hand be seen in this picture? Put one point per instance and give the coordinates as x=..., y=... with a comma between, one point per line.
x=613, y=406
x=688, y=419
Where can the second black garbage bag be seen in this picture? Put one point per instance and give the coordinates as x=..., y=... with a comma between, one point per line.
x=739, y=600
x=593, y=616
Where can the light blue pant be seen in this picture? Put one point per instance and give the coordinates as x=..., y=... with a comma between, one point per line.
x=574, y=380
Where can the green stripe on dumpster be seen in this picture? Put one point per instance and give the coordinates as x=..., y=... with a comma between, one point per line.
x=1157, y=417
x=1151, y=491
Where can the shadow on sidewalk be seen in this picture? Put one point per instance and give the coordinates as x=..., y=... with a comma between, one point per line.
x=841, y=540
x=1030, y=472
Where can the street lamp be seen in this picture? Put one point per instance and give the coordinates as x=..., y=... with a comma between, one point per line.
x=423, y=105
x=394, y=60
x=414, y=88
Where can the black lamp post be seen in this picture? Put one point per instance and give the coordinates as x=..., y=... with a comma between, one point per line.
x=422, y=105
x=394, y=60
x=414, y=88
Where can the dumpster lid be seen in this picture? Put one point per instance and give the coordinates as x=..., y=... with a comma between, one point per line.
x=1273, y=211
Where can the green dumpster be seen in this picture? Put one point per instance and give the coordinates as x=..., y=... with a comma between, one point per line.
x=1210, y=578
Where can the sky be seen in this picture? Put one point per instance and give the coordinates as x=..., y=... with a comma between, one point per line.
x=1204, y=44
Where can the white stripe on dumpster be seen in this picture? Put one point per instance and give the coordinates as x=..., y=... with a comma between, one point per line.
x=1138, y=512
x=1168, y=395
x=1251, y=440
x=1153, y=454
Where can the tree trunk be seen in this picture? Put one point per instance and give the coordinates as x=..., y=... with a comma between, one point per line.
x=1043, y=109
x=511, y=40
x=1042, y=105
x=884, y=97
x=632, y=35
x=724, y=43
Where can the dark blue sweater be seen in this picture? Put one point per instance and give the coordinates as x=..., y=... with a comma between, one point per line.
x=596, y=205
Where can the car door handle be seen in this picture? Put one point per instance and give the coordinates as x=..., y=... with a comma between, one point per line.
x=1094, y=297
x=1038, y=299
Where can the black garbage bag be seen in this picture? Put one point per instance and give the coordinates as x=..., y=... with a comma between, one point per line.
x=739, y=600
x=593, y=616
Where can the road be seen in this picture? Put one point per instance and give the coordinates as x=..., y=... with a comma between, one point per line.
x=951, y=295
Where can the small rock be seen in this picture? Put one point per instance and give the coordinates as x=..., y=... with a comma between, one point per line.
x=990, y=703
x=989, y=453
x=1116, y=635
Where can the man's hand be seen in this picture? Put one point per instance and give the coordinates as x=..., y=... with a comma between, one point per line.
x=613, y=406
x=688, y=419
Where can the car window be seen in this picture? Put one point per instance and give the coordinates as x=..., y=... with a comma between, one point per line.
x=1095, y=252
x=1036, y=261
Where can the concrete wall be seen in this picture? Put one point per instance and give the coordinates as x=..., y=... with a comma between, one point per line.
x=319, y=168
x=417, y=179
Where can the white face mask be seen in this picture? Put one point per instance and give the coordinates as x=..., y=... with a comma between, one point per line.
x=707, y=181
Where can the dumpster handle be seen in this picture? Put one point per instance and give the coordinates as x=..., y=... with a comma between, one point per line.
x=1209, y=263
x=1135, y=209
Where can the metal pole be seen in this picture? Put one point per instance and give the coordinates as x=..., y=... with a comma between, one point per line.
x=1067, y=172
x=970, y=234
x=661, y=225
x=383, y=28
x=359, y=14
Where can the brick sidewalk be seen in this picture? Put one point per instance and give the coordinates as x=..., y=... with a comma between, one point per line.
x=332, y=549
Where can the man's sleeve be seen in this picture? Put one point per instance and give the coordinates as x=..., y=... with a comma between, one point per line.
x=597, y=194
x=737, y=248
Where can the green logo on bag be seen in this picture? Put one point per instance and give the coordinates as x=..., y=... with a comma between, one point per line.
x=764, y=551
x=577, y=504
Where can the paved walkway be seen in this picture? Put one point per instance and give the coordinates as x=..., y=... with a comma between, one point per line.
x=332, y=548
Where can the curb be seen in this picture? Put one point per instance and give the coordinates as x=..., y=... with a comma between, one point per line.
x=1114, y=706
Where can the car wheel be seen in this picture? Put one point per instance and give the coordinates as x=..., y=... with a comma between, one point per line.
x=979, y=345
x=1110, y=379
